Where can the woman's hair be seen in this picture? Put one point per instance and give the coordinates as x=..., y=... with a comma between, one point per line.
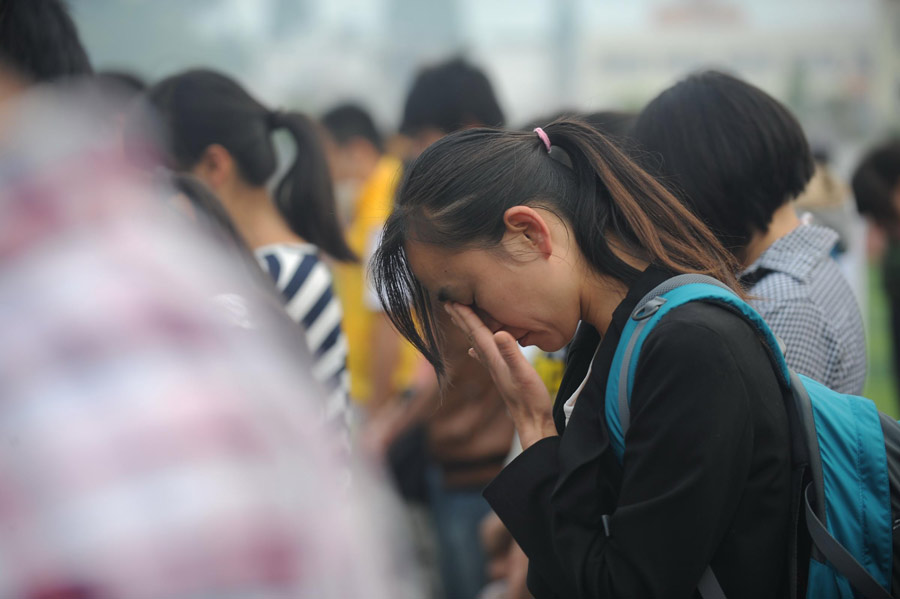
x=727, y=149
x=455, y=196
x=875, y=182
x=200, y=108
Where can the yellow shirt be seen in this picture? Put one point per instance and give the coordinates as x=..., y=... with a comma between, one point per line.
x=550, y=367
x=376, y=199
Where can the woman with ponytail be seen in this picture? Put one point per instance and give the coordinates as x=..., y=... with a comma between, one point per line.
x=521, y=237
x=216, y=131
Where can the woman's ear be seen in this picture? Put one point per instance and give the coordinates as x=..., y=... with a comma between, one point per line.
x=216, y=167
x=526, y=228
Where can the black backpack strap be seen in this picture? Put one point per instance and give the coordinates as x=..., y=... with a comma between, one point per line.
x=891, y=431
x=798, y=552
x=839, y=557
x=807, y=432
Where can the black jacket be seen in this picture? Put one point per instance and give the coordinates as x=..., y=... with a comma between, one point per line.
x=706, y=477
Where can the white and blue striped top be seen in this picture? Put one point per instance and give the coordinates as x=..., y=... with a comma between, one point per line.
x=305, y=283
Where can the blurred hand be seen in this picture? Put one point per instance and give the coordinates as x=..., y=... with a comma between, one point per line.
x=526, y=397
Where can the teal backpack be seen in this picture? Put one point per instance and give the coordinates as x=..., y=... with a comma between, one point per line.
x=845, y=455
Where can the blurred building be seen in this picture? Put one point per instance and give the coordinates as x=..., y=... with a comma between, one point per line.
x=835, y=62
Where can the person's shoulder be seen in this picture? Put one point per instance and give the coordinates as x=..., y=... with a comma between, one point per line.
x=703, y=350
x=292, y=263
x=377, y=196
x=778, y=287
x=389, y=170
x=704, y=318
x=289, y=253
x=824, y=300
x=828, y=283
x=700, y=331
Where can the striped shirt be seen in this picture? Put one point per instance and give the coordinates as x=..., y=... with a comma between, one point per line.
x=801, y=293
x=305, y=283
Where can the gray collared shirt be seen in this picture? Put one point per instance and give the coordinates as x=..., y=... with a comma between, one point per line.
x=809, y=305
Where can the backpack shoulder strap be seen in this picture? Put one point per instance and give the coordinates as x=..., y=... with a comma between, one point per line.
x=672, y=293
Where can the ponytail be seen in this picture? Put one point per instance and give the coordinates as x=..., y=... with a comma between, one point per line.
x=304, y=195
x=201, y=107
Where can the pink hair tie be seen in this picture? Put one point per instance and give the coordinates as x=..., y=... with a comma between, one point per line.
x=544, y=138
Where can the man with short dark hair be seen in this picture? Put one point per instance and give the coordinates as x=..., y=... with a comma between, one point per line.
x=876, y=187
x=40, y=41
x=365, y=179
x=737, y=158
x=445, y=98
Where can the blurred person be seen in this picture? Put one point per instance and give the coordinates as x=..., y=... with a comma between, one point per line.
x=521, y=236
x=151, y=448
x=381, y=363
x=737, y=158
x=451, y=442
x=125, y=88
x=213, y=129
x=196, y=201
x=876, y=187
x=615, y=124
x=39, y=40
x=200, y=207
x=447, y=97
x=827, y=201
x=355, y=149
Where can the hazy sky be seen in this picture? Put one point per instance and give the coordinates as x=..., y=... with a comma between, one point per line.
x=315, y=52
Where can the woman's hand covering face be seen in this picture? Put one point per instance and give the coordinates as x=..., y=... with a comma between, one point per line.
x=519, y=384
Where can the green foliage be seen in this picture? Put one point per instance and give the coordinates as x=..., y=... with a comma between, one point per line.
x=880, y=383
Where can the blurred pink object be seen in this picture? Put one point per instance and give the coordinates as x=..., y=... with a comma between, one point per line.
x=151, y=445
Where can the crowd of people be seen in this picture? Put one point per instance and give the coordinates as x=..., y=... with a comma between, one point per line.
x=377, y=365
